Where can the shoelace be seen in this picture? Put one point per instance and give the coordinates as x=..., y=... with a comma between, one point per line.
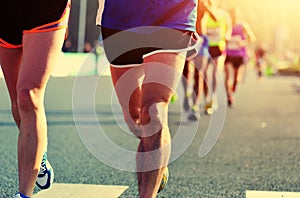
x=43, y=165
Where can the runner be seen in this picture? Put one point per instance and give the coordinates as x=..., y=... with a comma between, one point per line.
x=219, y=32
x=194, y=66
x=151, y=39
x=260, y=53
x=236, y=52
x=31, y=38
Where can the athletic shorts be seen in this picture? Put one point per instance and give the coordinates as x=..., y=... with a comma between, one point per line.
x=204, y=50
x=236, y=61
x=131, y=47
x=215, y=51
x=29, y=16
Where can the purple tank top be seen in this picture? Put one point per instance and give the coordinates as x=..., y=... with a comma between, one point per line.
x=235, y=46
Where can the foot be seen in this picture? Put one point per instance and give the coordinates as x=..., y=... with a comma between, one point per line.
x=164, y=180
x=19, y=195
x=230, y=101
x=194, y=115
x=208, y=108
x=46, y=174
x=174, y=98
x=215, y=104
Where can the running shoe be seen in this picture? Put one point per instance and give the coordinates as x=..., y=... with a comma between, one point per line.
x=208, y=108
x=215, y=104
x=164, y=180
x=194, y=115
x=174, y=98
x=46, y=174
x=19, y=195
x=230, y=101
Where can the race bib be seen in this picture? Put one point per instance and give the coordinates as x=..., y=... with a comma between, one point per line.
x=235, y=43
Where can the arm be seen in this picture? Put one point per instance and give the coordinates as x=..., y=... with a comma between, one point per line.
x=204, y=11
x=249, y=33
x=99, y=12
x=204, y=6
x=228, y=26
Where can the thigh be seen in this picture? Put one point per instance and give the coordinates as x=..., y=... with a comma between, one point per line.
x=200, y=62
x=126, y=83
x=238, y=62
x=163, y=72
x=10, y=62
x=227, y=67
x=127, y=88
x=41, y=52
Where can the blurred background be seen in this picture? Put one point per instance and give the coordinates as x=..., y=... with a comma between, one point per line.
x=274, y=23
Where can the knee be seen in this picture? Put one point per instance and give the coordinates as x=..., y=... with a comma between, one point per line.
x=27, y=100
x=133, y=123
x=136, y=129
x=153, y=117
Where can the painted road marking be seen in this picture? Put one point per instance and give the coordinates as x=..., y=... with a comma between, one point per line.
x=59, y=190
x=271, y=194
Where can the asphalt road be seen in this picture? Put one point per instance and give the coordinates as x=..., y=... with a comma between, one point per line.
x=258, y=148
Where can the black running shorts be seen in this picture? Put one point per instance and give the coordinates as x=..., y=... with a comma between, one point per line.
x=129, y=47
x=235, y=61
x=29, y=15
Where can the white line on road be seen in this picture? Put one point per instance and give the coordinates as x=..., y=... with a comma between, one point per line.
x=59, y=190
x=271, y=194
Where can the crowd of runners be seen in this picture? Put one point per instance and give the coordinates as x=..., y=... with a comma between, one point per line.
x=159, y=40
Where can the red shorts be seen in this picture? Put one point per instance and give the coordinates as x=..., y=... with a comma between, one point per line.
x=29, y=16
x=215, y=51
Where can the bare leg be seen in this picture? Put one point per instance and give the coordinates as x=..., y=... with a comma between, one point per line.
x=142, y=100
x=229, y=85
x=186, y=74
x=199, y=61
x=128, y=91
x=154, y=112
x=26, y=76
x=10, y=60
x=215, y=64
x=205, y=79
x=185, y=82
x=227, y=79
x=236, y=78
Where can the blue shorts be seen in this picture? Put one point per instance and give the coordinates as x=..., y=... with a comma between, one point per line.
x=204, y=50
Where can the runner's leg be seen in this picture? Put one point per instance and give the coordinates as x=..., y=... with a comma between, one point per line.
x=162, y=74
x=40, y=53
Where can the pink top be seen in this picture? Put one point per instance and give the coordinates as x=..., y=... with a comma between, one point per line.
x=236, y=45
